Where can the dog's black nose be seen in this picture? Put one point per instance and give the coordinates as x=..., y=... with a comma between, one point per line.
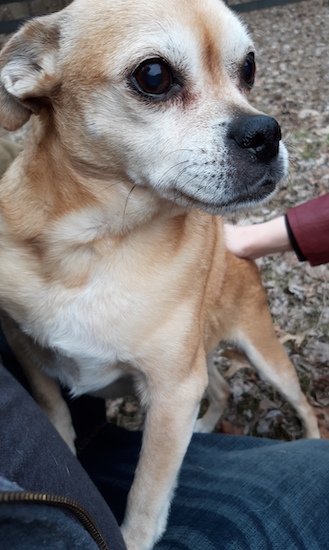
x=260, y=134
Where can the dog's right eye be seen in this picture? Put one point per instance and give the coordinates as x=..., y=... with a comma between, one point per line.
x=153, y=77
x=248, y=70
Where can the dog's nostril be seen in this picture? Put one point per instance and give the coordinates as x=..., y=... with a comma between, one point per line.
x=259, y=134
x=252, y=140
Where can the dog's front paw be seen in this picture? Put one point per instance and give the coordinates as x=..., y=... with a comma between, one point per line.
x=145, y=533
x=69, y=437
x=137, y=540
x=140, y=539
x=203, y=427
x=61, y=419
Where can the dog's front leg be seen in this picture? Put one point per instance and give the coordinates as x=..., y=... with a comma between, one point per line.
x=172, y=408
x=45, y=389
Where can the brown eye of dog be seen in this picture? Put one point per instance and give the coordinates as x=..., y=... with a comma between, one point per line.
x=249, y=70
x=153, y=77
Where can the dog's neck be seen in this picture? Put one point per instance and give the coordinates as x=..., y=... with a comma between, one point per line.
x=46, y=190
x=66, y=217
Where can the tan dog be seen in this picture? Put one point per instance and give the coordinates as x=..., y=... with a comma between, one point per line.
x=112, y=260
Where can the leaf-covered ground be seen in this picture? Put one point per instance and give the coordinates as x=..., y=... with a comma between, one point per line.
x=293, y=86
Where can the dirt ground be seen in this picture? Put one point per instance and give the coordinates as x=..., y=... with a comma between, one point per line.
x=293, y=86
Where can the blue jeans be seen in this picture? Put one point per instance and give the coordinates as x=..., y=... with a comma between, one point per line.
x=234, y=492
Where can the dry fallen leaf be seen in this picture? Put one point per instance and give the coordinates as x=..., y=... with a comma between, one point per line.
x=298, y=339
x=226, y=427
x=323, y=420
x=238, y=361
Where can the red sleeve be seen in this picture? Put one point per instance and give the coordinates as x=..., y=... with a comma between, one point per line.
x=309, y=224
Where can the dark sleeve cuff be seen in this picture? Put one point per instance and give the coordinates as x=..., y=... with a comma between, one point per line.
x=293, y=242
x=309, y=225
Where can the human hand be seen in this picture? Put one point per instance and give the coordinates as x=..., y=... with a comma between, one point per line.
x=255, y=241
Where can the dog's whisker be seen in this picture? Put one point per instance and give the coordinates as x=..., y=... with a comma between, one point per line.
x=99, y=192
x=164, y=176
x=178, y=176
x=186, y=184
x=175, y=151
x=127, y=199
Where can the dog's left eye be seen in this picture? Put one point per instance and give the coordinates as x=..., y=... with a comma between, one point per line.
x=249, y=70
x=153, y=77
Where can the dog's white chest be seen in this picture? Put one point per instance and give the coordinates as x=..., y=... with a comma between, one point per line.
x=91, y=330
x=94, y=328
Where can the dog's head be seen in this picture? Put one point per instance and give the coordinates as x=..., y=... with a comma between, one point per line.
x=150, y=92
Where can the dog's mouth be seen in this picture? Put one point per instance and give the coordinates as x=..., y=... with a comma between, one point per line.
x=228, y=202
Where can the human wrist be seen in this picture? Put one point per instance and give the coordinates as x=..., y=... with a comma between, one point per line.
x=253, y=241
x=268, y=238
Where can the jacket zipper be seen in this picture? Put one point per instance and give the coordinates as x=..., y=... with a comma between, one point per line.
x=66, y=504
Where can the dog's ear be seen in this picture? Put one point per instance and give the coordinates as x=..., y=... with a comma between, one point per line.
x=27, y=71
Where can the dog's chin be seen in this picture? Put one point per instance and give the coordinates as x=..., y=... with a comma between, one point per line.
x=237, y=202
x=255, y=197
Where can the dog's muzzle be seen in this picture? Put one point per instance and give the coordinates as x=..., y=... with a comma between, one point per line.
x=239, y=175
